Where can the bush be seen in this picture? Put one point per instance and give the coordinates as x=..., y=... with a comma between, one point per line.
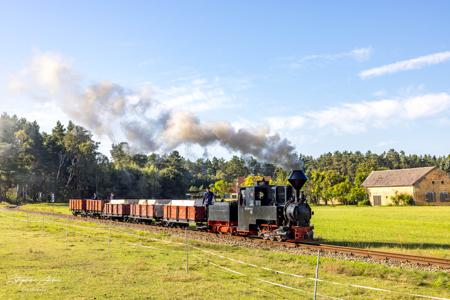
x=365, y=202
x=358, y=195
x=402, y=199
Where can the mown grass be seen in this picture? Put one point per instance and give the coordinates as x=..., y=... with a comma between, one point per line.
x=50, y=258
x=423, y=230
x=59, y=208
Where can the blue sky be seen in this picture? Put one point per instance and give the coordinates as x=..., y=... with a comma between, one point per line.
x=346, y=75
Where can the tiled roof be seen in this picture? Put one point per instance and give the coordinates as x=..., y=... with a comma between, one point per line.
x=400, y=177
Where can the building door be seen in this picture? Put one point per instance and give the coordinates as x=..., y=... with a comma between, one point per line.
x=376, y=200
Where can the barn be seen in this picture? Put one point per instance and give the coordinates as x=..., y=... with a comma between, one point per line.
x=427, y=185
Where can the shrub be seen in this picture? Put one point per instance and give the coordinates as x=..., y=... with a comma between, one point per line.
x=402, y=199
x=357, y=195
x=365, y=202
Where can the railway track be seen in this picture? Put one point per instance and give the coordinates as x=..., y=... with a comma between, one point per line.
x=424, y=260
x=350, y=251
x=368, y=253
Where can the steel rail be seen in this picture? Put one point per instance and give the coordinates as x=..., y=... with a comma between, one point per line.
x=410, y=258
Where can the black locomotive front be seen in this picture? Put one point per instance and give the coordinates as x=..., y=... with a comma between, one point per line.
x=275, y=212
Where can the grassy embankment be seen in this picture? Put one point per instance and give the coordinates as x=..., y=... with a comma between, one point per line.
x=40, y=261
x=423, y=230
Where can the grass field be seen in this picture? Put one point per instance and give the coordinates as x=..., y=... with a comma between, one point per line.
x=423, y=230
x=49, y=258
x=59, y=208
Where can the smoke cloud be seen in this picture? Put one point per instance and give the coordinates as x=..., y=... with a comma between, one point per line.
x=110, y=109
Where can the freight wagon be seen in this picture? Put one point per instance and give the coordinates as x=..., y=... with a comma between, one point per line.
x=183, y=212
x=147, y=211
x=118, y=209
x=94, y=208
x=77, y=206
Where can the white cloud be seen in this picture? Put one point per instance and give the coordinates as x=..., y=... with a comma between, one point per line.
x=196, y=96
x=386, y=144
x=358, y=54
x=405, y=65
x=354, y=117
x=351, y=118
x=281, y=123
x=426, y=105
x=361, y=54
x=49, y=70
x=379, y=93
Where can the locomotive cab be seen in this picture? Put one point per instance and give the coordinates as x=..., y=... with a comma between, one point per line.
x=275, y=212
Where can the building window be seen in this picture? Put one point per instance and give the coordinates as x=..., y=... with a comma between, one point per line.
x=444, y=197
x=442, y=181
x=432, y=182
x=430, y=196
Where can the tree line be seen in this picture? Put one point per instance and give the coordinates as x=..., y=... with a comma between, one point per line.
x=66, y=162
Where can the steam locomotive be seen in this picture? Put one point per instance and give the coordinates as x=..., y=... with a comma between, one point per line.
x=272, y=212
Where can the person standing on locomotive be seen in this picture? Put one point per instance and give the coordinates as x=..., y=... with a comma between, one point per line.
x=208, y=197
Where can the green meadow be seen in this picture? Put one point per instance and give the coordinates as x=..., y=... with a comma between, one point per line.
x=423, y=230
x=54, y=258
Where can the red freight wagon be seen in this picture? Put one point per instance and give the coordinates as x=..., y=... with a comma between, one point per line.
x=184, y=211
x=147, y=210
x=77, y=206
x=142, y=211
x=133, y=210
x=117, y=210
x=94, y=207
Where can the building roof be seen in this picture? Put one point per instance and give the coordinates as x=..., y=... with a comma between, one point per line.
x=400, y=177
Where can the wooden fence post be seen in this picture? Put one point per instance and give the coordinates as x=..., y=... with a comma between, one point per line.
x=317, y=274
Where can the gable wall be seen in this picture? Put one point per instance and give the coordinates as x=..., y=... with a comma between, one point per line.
x=426, y=185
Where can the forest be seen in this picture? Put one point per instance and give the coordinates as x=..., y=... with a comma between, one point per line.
x=66, y=162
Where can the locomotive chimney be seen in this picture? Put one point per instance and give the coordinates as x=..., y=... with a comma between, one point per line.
x=297, y=179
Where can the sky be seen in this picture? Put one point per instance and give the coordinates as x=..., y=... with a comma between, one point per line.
x=347, y=75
